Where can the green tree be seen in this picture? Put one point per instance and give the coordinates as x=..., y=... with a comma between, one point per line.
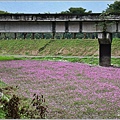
x=73, y=10
x=3, y=12
x=78, y=10
x=113, y=8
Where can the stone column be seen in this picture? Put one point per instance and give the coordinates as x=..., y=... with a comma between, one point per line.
x=43, y=36
x=105, y=40
x=63, y=36
x=74, y=35
x=53, y=36
x=5, y=36
x=33, y=35
x=25, y=34
x=15, y=35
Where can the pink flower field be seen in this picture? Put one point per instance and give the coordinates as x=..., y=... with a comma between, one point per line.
x=71, y=90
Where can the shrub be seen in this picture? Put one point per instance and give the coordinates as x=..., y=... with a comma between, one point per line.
x=36, y=109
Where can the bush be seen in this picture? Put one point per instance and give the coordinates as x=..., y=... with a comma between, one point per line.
x=36, y=109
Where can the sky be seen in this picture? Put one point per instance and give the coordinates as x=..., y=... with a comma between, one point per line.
x=15, y=6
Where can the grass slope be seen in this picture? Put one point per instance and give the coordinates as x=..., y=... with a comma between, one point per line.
x=116, y=47
x=66, y=47
x=21, y=46
x=72, y=47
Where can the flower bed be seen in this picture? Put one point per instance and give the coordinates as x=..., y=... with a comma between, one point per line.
x=72, y=90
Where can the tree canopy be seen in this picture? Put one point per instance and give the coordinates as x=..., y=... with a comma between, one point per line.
x=73, y=10
x=3, y=12
x=113, y=8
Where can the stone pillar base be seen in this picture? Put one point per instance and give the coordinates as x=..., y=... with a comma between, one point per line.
x=105, y=40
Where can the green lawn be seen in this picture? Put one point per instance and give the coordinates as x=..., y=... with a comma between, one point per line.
x=87, y=59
